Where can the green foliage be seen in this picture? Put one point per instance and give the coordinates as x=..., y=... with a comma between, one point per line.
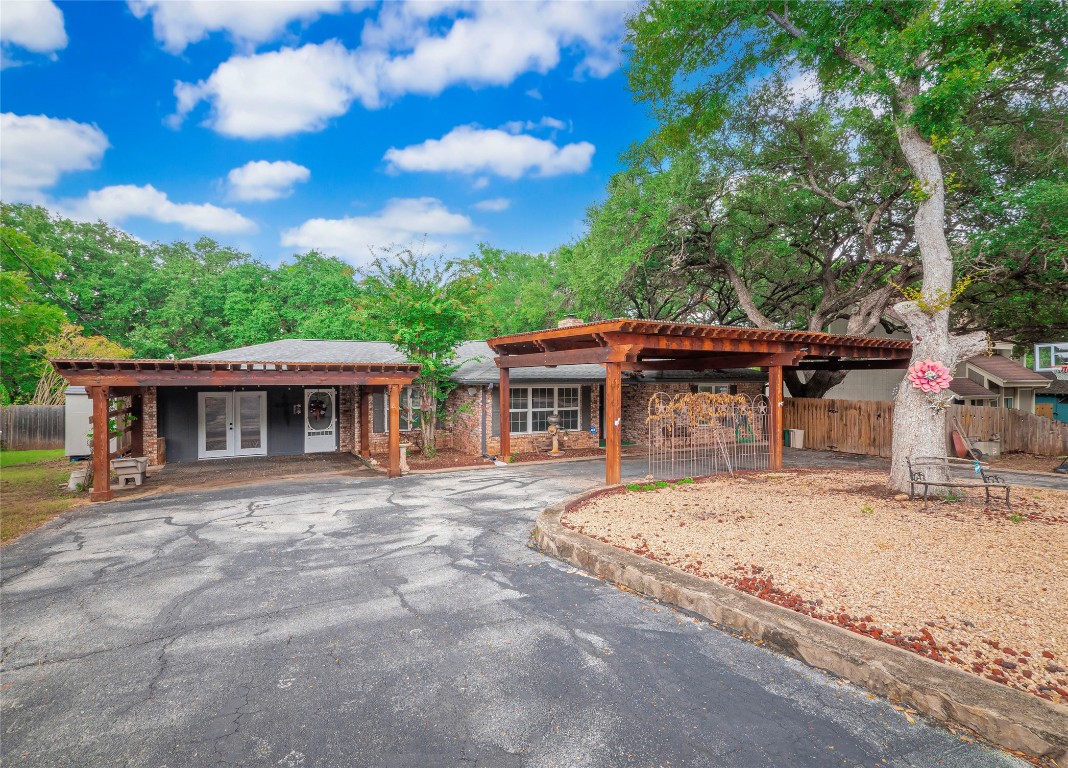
x=425, y=308
x=28, y=313
x=981, y=85
x=184, y=299
x=523, y=291
x=658, y=484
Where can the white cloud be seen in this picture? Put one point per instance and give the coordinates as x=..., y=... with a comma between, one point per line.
x=518, y=126
x=36, y=25
x=469, y=149
x=534, y=93
x=499, y=41
x=481, y=182
x=358, y=238
x=179, y=24
x=420, y=48
x=263, y=180
x=494, y=205
x=283, y=92
x=126, y=201
x=38, y=149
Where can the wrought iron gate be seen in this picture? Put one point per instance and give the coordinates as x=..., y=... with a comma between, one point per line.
x=691, y=435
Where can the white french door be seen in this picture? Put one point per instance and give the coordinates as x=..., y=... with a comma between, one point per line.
x=231, y=424
x=320, y=421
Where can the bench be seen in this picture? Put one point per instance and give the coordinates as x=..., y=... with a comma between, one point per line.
x=937, y=472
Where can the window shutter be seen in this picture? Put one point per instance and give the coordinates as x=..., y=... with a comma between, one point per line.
x=495, y=412
x=378, y=412
x=585, y=401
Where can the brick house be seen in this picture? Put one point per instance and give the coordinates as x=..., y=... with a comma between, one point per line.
x=472, y=411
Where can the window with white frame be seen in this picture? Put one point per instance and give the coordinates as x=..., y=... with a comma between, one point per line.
x=531, y=407
x=409, y=409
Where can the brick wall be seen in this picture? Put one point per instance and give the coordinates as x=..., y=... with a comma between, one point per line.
x=347, y=418
x=636, y=398
x=150, y=424
x=576, y=438
x=635, y=407
x=462, y=427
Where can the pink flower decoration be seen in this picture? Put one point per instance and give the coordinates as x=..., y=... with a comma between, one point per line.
x=930, y=376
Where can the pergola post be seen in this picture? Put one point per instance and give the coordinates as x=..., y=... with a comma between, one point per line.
x=101, y=446
x=505, y=416
x=365, y=421
x=613, y=416
x=137, y=436
x=394, y=469
x=775, y=417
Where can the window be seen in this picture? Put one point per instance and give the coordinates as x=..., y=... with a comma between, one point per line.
x=531, y=407
x=1008, y=402
x=409, y=409
x=716, y=389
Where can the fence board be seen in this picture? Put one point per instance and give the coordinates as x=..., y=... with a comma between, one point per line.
x=866, y=426
x=31, y=427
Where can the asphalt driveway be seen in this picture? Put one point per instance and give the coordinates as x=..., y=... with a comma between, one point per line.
x=347, y=621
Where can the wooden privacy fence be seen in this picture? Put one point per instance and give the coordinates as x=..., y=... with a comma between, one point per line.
x=866, y=426
x=31, y=427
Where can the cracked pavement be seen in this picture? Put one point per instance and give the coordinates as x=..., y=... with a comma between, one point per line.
x=340, y=621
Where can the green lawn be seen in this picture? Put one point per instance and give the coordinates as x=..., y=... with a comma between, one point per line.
x=32, y=490
x=14, y=458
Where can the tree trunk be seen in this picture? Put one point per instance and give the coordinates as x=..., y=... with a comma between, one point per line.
x=816, y=385
x=920, y=430
x=428, y=418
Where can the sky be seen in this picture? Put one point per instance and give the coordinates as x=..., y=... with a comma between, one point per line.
x=344, y=127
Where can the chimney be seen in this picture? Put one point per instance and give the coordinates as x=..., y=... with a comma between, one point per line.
x=569, y=321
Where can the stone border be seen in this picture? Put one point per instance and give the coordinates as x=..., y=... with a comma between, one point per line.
x=1002, y=715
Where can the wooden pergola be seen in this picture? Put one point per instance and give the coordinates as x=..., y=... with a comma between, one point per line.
x=648, y=345
x=106, y=379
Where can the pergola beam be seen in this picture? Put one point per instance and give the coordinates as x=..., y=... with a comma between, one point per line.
x=212, y=378
x=740, y=360
x=852, y=365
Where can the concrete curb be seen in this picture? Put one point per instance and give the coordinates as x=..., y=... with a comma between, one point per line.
x=1002, y=715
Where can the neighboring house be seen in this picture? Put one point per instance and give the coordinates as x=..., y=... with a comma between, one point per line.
x=997, y=380
x=1051, y=361
x=192, y=420
x=1012, y=385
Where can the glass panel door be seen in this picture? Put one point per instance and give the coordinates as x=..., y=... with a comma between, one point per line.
x=216, y=425
x=320, y=421
x=251, y=410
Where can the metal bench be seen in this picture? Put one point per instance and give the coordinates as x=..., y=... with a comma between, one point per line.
x=937, y=472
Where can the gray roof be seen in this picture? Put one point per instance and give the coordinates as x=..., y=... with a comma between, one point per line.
x=477, y=364
x=1059, y=383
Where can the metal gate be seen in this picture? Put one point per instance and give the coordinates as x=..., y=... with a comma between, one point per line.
x=691, y=435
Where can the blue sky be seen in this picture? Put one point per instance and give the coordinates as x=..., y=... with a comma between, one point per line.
x=284, y=126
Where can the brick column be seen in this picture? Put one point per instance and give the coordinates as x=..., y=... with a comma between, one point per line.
x=347, y=419
x=150, y=426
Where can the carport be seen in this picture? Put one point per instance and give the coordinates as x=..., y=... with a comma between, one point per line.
x=648, y=345
x=106, y=380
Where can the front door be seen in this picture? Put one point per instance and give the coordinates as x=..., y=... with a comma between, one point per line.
x=320, y=421
x=250, y=410
x=231, y=424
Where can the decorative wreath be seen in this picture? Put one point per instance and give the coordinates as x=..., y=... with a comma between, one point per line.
x=931, y=376
x=317, y=407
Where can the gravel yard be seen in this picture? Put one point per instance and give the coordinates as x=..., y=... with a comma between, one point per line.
x=983, y=590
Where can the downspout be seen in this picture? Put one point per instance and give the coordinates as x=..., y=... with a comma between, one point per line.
x=484, y=424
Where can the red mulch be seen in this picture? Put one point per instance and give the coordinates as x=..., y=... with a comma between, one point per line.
x=443, y=459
